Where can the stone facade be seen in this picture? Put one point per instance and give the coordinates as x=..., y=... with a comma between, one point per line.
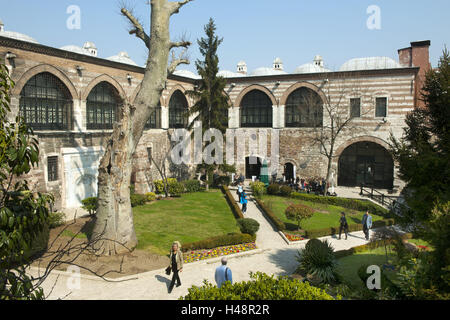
x=80, y=149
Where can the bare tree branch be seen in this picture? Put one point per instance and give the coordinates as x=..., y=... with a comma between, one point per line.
x=176, y=6
x=137, y=28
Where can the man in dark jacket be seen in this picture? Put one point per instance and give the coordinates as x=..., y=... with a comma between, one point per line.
x=367, y=223
x=343, y=225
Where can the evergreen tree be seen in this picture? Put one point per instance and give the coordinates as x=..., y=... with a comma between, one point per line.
x=211, y=107
x=211, y=102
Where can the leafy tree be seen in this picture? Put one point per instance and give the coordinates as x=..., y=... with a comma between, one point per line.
x=423, y=155
x=298, y=212
x=23, y=215
x=260, y=287
x=211, y=107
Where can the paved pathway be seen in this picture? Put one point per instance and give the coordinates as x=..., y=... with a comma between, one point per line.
x=274, y=256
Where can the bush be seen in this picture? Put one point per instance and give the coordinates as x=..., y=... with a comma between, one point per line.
x=223, y=181
x=298, y=212
x=285, y=191
x=258, y=188
x=232, y=203
x=317, y=259
x=271, y=216
x=90, y=205
x=138, y=200
x=151, y=196
x=354, y=204
x=56, y=219
x=159, y=184
x=273, y=189
x=219, y=241
x=260, y=287
x=176, y=189
x=192, y=186
x=248, y=225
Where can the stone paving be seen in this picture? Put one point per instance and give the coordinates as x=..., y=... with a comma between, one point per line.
x=273, y=256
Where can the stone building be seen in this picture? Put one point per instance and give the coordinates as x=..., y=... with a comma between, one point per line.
x=72, y=97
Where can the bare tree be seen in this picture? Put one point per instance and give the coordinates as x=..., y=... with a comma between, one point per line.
x=331, y=116
x=114, y=214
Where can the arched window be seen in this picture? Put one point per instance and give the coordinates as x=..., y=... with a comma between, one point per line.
x=256, y=110
x=304, y=108
x=155, y=119
x=178, y=109
x=102, y=106
x=46, y=103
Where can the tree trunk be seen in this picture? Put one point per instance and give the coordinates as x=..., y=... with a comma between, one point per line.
x=114, y=220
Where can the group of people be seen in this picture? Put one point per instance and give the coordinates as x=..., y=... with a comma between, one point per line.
x=222, y=274
x=366, y=223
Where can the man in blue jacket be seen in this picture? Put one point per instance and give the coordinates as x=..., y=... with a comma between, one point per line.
x=367, y=223
x=223, y=273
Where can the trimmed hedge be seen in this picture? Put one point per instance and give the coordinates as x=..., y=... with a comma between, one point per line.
x=232, y=203
x=219, y=241
x=192, y=186
x=316, y=233
x=365, y=247
x=355, y=204
x=138, y=199
x=248, y=225
x=272, y=217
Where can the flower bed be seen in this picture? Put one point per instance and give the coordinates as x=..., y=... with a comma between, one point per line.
x=198, y=255
x=293, y=237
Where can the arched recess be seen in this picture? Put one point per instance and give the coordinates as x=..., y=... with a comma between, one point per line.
x=178, y=87
x=299, y=85
x=237, y=102
x=45, y=68
x=104, y=78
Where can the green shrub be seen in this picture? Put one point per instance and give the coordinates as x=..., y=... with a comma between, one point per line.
x=192, y=186
x=285, y=191
x=271, y=215
x=176, y=189
x=232, y=203
x=260, y=287
x=223, y=181
x=138, y=200
x=354, y=204
x=273, y=189
x=219, y=241
x=56, y=219
x=159, y=184
x=90, y=205
x=258, y=189
x=317, y=259
x=298, y=212
x=248, y=225
x=151, y=196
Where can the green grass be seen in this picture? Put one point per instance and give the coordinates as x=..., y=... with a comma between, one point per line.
x=192, y=217
x=326, y=215
x=420, y=242
x=348, y=266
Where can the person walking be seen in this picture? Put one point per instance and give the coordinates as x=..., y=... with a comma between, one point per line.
x=240, y=189
x=343, y=225
x=367, y=224
x=223, y=273
x=176, y=264
x=244, y=201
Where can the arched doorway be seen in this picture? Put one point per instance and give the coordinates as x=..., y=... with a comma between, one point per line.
x=252, y=167
x=366, y=163
x=289, y=171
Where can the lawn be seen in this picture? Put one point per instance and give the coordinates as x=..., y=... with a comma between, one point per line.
x=326, y=216
x=193, y=217
x=348, y=266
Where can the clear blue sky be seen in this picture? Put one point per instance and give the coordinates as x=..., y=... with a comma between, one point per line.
x=256, y=31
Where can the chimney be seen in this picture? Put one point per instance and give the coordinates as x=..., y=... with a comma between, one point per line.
x=418, y=55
